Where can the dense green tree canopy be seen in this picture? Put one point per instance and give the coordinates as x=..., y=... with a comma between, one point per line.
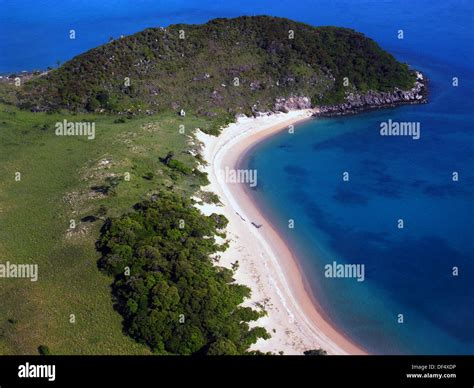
x=219, y=68
x=169, y=292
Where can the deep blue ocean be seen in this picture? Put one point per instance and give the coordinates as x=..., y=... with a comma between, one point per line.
x=407, y=271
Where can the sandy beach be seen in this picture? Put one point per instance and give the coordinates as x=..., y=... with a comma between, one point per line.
x=266, y=264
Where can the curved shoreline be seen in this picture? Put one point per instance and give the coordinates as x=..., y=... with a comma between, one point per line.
x=267, y=218
x=266, y=263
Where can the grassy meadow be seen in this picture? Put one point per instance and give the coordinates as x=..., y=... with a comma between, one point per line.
x=64, y=178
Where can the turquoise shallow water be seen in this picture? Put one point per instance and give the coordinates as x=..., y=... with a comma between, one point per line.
x=407, y=271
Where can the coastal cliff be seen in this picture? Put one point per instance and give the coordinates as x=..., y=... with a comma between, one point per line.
x=357, y=102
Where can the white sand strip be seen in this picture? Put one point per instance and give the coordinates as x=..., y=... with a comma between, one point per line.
x=266, y=264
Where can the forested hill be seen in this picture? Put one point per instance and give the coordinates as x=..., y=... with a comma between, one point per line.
x=225, y=66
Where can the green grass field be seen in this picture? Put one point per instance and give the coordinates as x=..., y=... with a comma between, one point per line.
x=57, y=173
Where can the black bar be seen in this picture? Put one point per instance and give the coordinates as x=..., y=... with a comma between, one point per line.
x=311, y=371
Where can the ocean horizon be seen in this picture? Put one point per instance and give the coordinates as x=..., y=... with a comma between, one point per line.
x=38, y=43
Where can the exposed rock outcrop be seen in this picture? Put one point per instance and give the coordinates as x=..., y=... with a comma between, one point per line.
x=356, y=102
x=292, y=103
